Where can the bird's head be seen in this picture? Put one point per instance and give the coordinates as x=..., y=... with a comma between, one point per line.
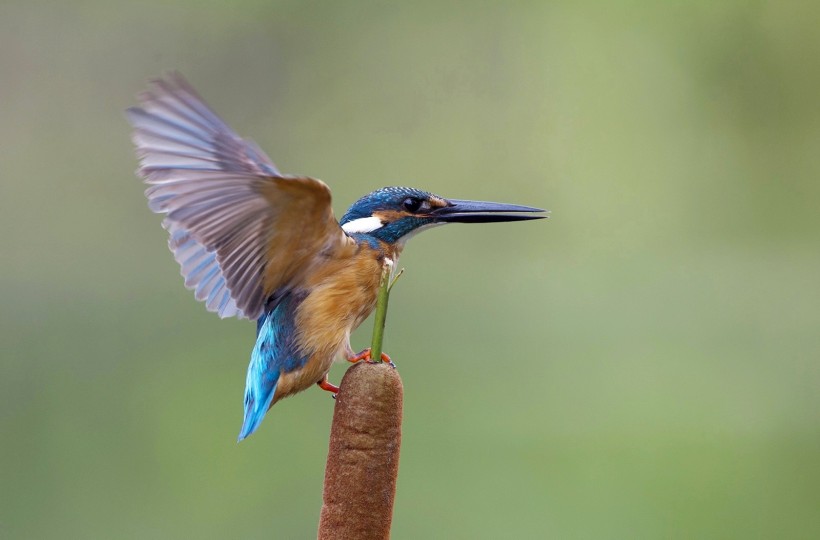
x=394, y=214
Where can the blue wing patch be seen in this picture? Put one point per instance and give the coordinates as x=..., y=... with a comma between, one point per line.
x=275, y=352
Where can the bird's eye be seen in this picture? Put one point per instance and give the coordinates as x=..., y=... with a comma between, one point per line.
x=411, y=204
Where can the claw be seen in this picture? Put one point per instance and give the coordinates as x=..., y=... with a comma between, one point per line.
x=365, y=355
x=324, y=384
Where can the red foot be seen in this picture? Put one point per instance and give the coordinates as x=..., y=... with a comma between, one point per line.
x=324, y=384
x=365, y=355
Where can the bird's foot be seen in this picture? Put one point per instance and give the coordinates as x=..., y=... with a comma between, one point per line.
x=366, y=356
x=324, y=384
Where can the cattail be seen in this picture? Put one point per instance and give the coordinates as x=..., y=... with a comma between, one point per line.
x=363, y=458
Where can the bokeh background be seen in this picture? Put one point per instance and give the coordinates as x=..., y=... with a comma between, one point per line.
x=642, y=365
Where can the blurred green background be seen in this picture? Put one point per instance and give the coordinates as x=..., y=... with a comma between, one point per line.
x=642, y=365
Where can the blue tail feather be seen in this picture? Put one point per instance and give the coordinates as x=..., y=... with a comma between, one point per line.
x=273, y=353
x=263, y=375
x=255, y=409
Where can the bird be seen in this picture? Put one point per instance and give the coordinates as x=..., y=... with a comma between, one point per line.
x=254, y=243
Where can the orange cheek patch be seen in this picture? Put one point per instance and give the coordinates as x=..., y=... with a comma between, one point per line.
x=437, y=202
x=389, y=216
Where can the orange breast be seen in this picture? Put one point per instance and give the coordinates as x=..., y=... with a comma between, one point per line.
x=342, y=294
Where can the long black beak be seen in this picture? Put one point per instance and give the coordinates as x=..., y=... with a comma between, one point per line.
x=484, y=212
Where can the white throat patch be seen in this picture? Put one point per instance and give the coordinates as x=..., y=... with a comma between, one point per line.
x=362, y=225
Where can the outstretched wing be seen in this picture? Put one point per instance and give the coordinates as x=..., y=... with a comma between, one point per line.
x=239, y=229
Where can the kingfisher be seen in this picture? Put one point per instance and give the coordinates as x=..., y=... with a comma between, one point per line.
x=258, y=244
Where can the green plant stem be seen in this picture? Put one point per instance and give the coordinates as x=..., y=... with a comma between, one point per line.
x=376, y=344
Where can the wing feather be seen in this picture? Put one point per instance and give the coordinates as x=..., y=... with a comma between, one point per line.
x=239, y=229
x=196, y=263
